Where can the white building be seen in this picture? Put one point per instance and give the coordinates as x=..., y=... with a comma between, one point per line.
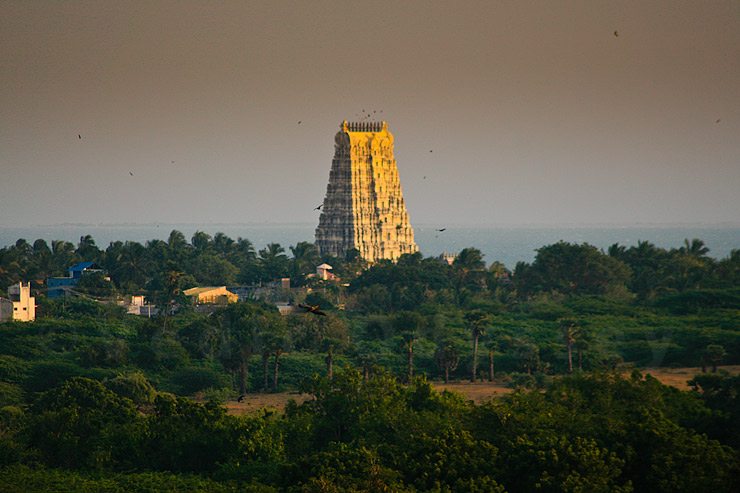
x=24, y=305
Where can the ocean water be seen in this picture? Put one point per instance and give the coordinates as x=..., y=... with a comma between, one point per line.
x=504, y=243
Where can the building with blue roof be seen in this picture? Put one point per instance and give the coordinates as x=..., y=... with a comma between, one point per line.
x=58, y=286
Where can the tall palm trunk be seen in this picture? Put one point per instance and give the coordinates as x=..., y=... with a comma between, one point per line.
x=265, y=369
x=475, y=357
x=410, y=356
x=244, y=372
x=490, y=365
x=569, y=345
x=276, y=370
x=330, y=363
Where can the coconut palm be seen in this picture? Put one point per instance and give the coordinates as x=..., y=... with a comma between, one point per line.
x=222, y=243
x=714, y=354
x=305, y=259
x=492, y=347
x=273, y=261
x=570, y=335
x=447, y=357
x=477, y=322
x=407, y=325
x=694, y=248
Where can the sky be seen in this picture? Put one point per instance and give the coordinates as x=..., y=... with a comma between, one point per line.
x=535, y=112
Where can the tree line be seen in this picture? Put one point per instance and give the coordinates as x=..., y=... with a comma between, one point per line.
x=644, y=270
x=596, y=433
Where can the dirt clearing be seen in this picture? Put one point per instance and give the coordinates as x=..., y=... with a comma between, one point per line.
x=476, y=392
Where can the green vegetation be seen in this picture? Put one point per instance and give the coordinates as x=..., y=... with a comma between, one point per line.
x=596, y=432
x=94, y=399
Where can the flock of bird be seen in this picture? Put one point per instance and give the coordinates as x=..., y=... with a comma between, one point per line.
x=366, y=115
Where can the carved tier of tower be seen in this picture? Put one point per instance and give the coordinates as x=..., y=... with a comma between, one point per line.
x=364, y=207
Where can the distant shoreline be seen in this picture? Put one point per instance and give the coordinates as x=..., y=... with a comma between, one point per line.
x=723, y=224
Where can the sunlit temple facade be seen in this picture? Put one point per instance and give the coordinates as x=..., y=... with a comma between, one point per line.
x=364, y=207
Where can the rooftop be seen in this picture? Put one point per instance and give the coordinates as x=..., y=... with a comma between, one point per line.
x=201, y=290
x=83, y=265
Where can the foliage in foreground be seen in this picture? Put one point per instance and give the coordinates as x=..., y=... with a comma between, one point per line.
x=592, y=433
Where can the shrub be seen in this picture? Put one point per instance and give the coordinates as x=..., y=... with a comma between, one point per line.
x=134, y=386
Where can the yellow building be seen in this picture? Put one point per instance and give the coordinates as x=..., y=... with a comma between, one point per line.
x=364, y=207
x=211, y=295
x=24, y=305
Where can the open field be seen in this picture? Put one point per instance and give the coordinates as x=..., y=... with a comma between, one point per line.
x=476, y=392
x=678, y=377
x=254, y=402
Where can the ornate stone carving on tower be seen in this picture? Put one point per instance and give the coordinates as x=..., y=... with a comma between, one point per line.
x=364, y=207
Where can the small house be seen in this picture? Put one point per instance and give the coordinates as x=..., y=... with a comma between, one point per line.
x=211, y=295
x=324, y=272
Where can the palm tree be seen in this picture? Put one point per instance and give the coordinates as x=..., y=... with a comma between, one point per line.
x=492, y=348
x=714, y=354
x=277, y=352
x=87, y=249
x=447, y=357
x=468, y=269
x=617, y=251
x=531, y=355
x=127, y=263
x=584, y=339
x=265, y=352
x=244, y=250
x=62, y=255
x=694, y=248
x=476, y=322
x=222, y=243
x=274, y=262
x=201, y=241
x=408, y=324
x=273, y=339
x=305, y=258
x=242, y=322
x=366, y=353
x=409, y=337
x=42, y=260
x=330, y=362
x=570, y=334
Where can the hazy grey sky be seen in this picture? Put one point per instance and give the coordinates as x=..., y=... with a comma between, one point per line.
x=535, y=111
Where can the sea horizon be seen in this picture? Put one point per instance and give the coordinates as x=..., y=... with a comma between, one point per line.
x=505, y=243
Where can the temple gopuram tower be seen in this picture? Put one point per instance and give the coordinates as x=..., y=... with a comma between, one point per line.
x=364, y=207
